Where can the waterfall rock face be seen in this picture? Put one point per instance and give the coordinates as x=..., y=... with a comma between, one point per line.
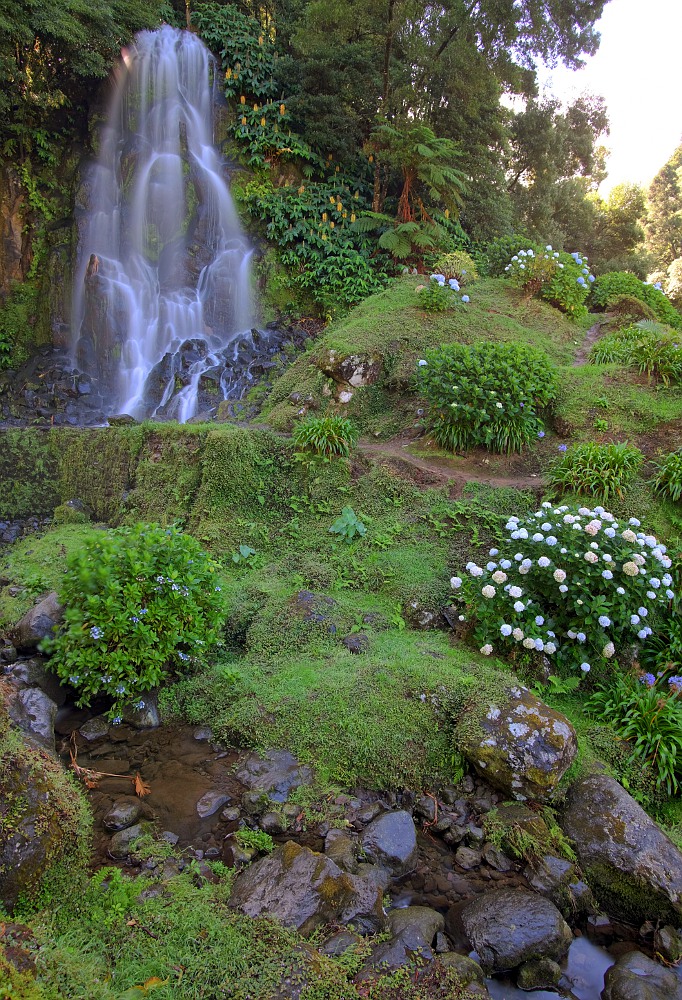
x=162, y=259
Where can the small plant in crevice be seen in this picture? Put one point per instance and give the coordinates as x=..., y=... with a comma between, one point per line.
x=257, y=839
x=486, y=395
x=348, y=526
x=602, y=471
x=324, y=438
x=573, y=584
x=141, y=603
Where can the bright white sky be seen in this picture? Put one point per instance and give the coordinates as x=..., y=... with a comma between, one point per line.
x=638, y=71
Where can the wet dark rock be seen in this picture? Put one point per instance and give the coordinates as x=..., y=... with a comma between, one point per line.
x=356, y=644
x=636, y=977
x=170, y=837
x=342, y=850
x=34, y=672
x=518, y=745
x=428, y=922
x=203, y=734
x=369, y=812
x=37, y=623
x=427, y=807
x=276, y=774
x=468, y=971
x=303, y=889
x=8, y=652
x=122, y=841
x=339, y=943
x=391, y=840
x=122, y=420
x=497, y=859
x=34, y=713
x=668, y=943
x=95, y=728
x=272, y=823
x=210, y=802
x=467, y=858
x=144, y=713
x=124, y=813
x=508, y=927
x=633, y=868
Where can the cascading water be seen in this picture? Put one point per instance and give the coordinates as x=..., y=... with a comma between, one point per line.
x=162, y=298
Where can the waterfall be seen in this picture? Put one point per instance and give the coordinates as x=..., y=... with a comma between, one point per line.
x=162, y=293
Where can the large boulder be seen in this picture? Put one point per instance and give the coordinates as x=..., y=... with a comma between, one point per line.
x=275, y=774
x=44, y=819
x=633, y=868
x=636, y=977
x=508, y=927
x=304, y=889
x=32, y=711
x=391, y=840
x=517, y=743
x=37, y=623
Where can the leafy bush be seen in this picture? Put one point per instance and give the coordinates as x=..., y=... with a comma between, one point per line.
x=436, y=297
x=459, y=265
x=571, y=583
x=647, y=346
x=647, y=711
x=486, y=395
x=668, y=478
x=561, y=278
x=600, y=470
x=325, y=438
x=140, y=602
x=608, y=287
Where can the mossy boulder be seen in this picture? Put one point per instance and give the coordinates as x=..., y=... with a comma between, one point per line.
x=304, y=889
x=517, y=743
x=354, y=370
x=633, y=868
x=637, y=977
x=44, y=820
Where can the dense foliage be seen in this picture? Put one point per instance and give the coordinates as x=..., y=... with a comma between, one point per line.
x=561, y=278
x=487, y=395
x=647, y=346
x=325, y=437
x=140, y=603
x=596, y=470
x=609, y=286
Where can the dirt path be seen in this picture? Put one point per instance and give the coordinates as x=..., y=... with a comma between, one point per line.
x=439, y=471
x=590, y=338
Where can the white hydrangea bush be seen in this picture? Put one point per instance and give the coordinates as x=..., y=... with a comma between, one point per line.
x=573, y=583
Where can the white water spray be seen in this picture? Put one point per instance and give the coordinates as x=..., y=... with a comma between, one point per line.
x=163, y=263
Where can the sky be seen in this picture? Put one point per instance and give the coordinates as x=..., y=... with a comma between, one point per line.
x=638, y=71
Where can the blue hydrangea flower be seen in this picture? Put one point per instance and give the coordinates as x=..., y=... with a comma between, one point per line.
x=506, y=629
x=604, y=621
x=465, y=298
x=581, y=637
x=541, y=434
x=96, y=632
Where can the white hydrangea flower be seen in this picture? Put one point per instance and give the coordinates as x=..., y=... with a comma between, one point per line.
x=488, y=591
x=499, y=576
x=608, y=650
x=455, y=582
x=487, y=649
x=628, y=535
x=515, y=592
x=544, y=562
x=517, y=634
x=630, y=569
x=528, y=643
x=591, y=557
x=559, y=575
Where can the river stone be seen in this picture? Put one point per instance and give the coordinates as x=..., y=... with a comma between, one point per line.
x=339, y=943
x=427, y=921
x=147, y=717
x=210, y=802
x=33, y=712
x=123, y=813
x=341, y=849
x=633, y=868
x=467, y=970
x=38, y=623
x=276, y=773
x=538, y=974
x=636, y=977
x=35, y=673
x=391, y=840
x=518, y=744
x=95, y=728
x=121, y=842
x=304, y=889
x=508, y=927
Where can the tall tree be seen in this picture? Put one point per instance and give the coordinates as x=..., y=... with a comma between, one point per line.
x=664, y=220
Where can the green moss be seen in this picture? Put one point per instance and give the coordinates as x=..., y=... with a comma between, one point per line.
x=167, y=475
x=98, y=467
x=28, y=473
x=633, y=902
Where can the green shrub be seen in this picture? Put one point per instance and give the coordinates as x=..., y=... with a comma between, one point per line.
x=348, y=525
x=599, y=470
x=561, y=278
x=436, y=297
x=647, y=346
x=486, y=395
x=668, y=478
x=325, y=438
x=140, y=602
x=608, y=287
x=571, y=583
x=646, y=711
x=459, y=265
